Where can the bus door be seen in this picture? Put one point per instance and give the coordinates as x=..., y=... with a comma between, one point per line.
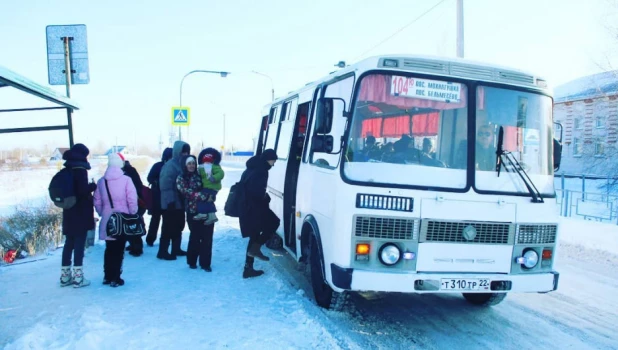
x=291, y=175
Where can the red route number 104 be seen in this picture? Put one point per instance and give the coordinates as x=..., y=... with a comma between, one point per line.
x=401, y=85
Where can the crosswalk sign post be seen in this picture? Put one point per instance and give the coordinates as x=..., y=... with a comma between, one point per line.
x=180, y=117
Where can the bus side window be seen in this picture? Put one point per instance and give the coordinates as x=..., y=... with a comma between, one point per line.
x=273, y=128
x=340, y=90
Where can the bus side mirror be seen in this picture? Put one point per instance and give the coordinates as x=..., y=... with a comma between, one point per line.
x=325, y=113
x=557, y=154
x=322, y=143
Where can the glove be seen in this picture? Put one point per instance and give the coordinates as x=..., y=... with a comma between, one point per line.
x=212, y=179
x=266, y=198
x=92, y=187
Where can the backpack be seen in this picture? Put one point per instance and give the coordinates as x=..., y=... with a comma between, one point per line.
x=235, y=200
x=62, y=189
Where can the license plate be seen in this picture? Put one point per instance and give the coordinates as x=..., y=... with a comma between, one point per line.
x=464, y=284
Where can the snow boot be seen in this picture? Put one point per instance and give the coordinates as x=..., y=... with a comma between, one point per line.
x=255, y=252
x=117, y=283
x=249, y=272
x=66, y=279
x=78, y=277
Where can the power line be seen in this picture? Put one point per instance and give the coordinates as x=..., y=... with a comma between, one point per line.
x=400, y=30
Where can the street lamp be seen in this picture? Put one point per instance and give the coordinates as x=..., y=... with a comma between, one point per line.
x=272, y=86
x=223, y=75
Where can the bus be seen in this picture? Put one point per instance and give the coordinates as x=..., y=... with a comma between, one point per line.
x=417, y=174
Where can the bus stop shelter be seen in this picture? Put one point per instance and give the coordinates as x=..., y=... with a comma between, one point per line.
x=10, y=79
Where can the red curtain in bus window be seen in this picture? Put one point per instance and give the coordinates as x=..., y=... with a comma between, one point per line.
x=302, y=125
x=372, y=127
x=511, y=138
x=377, y=88
x=425, y=124
x=396, y=126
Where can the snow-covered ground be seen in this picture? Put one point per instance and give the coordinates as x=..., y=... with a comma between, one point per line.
x=167, y=305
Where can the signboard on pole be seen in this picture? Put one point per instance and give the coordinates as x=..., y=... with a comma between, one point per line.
x=78, y=54
x=180, y=116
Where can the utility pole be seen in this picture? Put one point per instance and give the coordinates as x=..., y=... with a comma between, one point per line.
x=223, y=150
x=460, y=29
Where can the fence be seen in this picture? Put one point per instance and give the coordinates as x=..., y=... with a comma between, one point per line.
x=575, y=199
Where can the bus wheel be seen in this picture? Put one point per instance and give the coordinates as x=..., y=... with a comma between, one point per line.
x=484, y=299
x=324, y=295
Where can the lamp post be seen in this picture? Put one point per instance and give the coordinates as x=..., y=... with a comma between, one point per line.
x=272, y=86
x=223, y=75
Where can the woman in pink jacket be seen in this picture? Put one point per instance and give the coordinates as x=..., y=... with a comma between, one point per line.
x=124, y=197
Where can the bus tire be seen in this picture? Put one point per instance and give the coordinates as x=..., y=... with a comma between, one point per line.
x=484, y=299
x=324, y=295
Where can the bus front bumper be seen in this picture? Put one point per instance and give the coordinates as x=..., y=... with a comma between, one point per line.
x=362, y=280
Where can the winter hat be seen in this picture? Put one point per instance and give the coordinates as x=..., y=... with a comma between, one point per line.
x=208, y=158
x=79, y=149
x=190, y=159
x=115, y=160
x=269, y=154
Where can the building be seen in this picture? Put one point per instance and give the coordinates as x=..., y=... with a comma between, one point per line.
x=587, y=109
x=57, y=153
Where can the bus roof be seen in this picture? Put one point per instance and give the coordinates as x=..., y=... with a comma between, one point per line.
x=445, y=66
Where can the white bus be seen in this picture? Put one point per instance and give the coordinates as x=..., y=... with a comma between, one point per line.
x=388, y=179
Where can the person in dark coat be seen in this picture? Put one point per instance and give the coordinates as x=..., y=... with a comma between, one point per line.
x=189, y=184
x=136, y=245
x=172, y=204
x=256, y=219
x=79, y=219
x=155, y=212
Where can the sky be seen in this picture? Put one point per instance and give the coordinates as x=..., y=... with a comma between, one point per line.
x=140, y=50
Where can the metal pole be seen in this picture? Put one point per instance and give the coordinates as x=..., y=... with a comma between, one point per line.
x=180, y=105
x=70, y=125
x=460, y=29
x=67, y=72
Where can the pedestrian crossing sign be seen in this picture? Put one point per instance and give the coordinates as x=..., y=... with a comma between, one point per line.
x=180, y=115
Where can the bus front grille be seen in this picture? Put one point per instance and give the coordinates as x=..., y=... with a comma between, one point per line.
x=386, y=228
x=475, y=232
x=536, y=233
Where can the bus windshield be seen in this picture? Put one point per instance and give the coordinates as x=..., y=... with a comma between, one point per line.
x=526, y=121
x=409, y=131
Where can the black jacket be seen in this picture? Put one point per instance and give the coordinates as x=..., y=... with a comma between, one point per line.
x=153, y=180
x=80, y=218
x=131, y=172
x=255, y=180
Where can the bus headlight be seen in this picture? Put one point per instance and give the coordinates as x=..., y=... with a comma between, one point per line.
x=529, y=259
x=389, y=254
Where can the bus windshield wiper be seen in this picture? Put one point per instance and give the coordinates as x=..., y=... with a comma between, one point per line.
x=515, y=164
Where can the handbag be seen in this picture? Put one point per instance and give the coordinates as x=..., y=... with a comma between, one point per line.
x=123, y=224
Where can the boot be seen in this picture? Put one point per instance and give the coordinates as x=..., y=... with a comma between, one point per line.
x=249, y=272
x=176, y=247
x=255, y=252
x=66, y=279
x=165, y=256
x=78, y=277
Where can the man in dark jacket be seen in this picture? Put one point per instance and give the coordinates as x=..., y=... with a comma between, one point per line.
x=172, y=204
x=155, y=212
x=136, y=245
x=257, y=221
x=77, y=220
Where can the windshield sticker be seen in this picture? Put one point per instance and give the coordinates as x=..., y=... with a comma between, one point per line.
x=426, y=89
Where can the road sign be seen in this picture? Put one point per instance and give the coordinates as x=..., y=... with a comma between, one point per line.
x=78, y=47
x=180, y=115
